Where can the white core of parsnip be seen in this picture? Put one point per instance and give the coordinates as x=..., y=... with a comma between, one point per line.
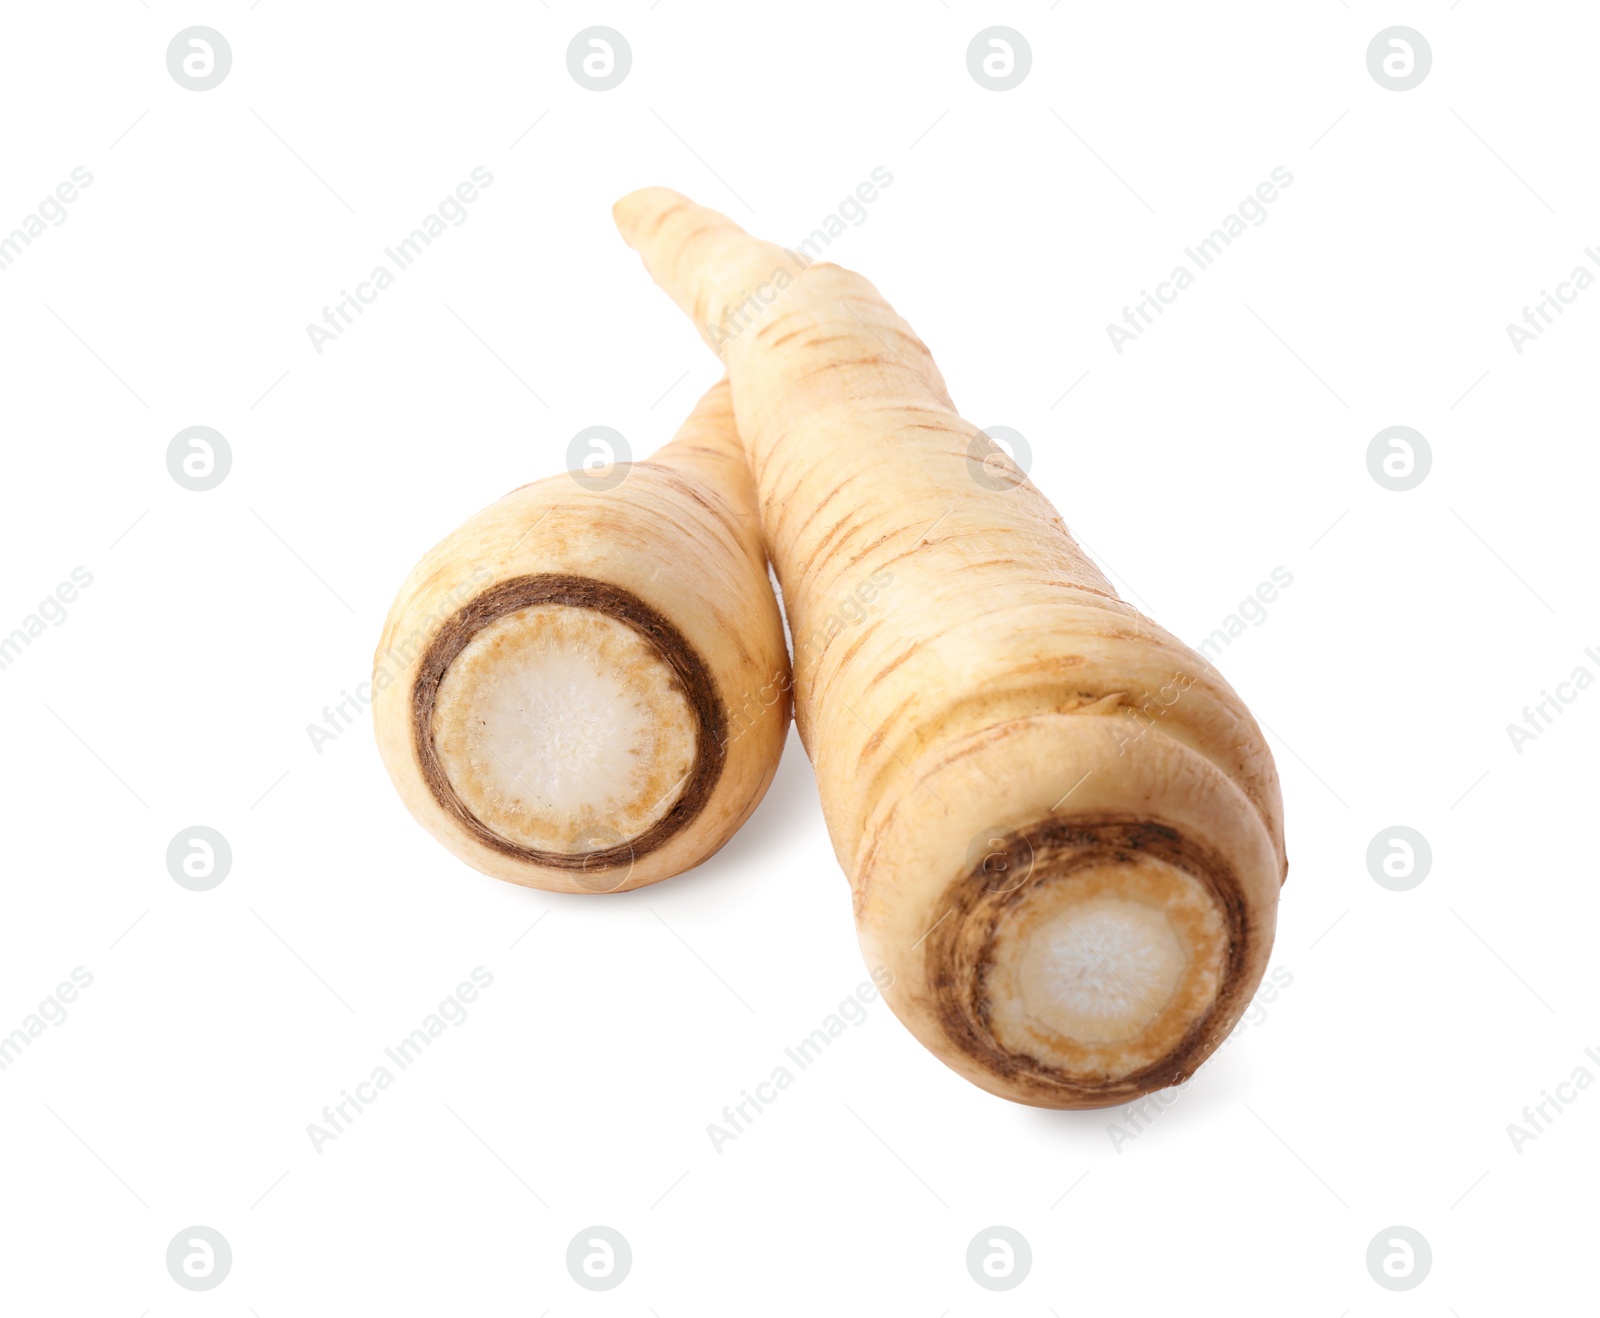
x=1104, y=972
x=1129, y=954
x=563, y=730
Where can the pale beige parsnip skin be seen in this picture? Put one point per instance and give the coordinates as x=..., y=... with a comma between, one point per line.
x=1062, y=828
x=586, y=689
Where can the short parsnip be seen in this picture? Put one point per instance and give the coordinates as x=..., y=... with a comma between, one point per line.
x=586, y=689
x=1062, y=828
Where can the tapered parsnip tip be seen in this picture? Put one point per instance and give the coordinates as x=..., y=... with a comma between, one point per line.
x=645, y=206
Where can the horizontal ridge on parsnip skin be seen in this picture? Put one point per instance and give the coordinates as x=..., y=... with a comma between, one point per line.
x=1073, y=878
x=561, y=670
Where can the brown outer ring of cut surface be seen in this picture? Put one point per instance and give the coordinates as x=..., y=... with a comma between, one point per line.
x=960, y=952
x=614, y=602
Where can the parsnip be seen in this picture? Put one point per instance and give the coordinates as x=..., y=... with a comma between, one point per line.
x=585, y=689
x=1062, y=828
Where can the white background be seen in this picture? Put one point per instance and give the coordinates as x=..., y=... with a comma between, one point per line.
x=1230, y=439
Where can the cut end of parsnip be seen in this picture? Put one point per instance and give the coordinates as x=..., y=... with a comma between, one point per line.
x=563, y=729
x=1102, y=966
x=562, y=721
x=1103, y=971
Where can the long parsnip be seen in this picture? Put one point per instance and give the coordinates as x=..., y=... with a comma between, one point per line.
x=1063, y=829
